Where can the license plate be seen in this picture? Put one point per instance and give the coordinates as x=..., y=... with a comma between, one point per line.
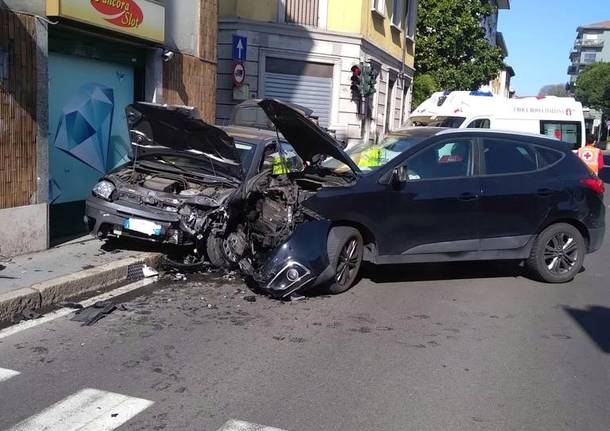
x=143, y=226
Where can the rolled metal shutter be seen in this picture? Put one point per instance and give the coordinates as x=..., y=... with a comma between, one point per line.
x=311, y=92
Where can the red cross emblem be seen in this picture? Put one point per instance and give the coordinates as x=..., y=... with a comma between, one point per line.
x=587, y=155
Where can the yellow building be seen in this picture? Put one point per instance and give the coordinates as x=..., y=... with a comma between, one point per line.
x=302, y=51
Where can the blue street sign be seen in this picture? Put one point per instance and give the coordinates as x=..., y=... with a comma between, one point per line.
x=240, y=48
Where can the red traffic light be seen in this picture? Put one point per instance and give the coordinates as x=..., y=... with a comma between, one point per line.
x=356, y=70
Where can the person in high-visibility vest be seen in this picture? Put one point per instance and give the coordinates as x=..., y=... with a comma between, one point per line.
x=592, y=156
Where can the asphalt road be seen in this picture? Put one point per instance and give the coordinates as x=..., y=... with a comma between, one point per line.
x=422, y=347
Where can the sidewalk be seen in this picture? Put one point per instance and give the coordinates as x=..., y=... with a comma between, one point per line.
x=49, y=277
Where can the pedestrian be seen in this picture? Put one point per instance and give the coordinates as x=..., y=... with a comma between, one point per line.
x=591, y=155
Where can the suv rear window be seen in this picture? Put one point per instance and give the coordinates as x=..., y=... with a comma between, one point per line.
x=506, y=157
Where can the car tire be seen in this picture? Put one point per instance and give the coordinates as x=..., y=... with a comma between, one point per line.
x=557, y=254
x=215, y=252
x=345, y=248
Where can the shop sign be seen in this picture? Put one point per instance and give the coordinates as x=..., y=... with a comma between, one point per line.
x=144, y=19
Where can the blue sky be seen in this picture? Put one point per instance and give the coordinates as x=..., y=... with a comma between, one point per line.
x=539, y=35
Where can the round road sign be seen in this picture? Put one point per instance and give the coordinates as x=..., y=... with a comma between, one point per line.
x=239, y=74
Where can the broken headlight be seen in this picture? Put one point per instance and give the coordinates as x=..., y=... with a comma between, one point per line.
x=104, y=189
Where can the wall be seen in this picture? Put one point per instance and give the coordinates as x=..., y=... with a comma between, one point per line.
x=37, y=7
x=605, y=54
x=181, y=26
x=18, y=111
x=345, y=16
x=259, y=10
x=189, y=78
x=379, y=31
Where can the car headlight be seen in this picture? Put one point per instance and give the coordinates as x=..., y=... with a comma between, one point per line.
x=104, y=189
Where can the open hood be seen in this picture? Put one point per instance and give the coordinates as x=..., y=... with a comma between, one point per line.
x=154, y=128
x=306, y=138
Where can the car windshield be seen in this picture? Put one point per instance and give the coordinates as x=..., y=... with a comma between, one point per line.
x=203, y=164
x=372, y=157
x=451, y=122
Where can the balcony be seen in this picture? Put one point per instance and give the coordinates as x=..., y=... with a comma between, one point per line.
x=573, y=70
x=588, y=43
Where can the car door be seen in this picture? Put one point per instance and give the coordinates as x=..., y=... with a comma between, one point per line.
x=436, y=209
x=515, y=193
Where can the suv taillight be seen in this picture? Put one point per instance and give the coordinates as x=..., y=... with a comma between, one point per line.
x=594, y=184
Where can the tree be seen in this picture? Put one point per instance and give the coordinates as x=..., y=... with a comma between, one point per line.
x=452, y=47
x=593, y=87
x=558, y=90
x=423, y=86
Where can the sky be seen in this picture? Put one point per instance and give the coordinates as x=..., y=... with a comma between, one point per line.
x=540, y=34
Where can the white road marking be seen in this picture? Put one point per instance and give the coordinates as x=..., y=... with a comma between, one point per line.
x=7, y=374
x=28, y=324
x=86, y=410
x=235, y=425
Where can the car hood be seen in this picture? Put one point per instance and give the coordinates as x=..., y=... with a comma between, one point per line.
x=154, y=127
x=304, y=136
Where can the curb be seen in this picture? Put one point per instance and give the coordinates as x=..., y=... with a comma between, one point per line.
x=54, y=291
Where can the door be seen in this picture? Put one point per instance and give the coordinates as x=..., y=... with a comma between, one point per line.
x=516, y=193
x=87, y=132
x=436, y=210
x=303, y=83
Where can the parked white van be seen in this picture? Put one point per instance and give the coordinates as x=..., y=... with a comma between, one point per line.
x=558, y=117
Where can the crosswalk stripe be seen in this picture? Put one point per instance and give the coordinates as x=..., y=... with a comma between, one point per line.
x=7, y=374
x=235, y=425
x=86, y=410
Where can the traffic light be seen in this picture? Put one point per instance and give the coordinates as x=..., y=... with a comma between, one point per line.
x=369, y=80
x=356, y=86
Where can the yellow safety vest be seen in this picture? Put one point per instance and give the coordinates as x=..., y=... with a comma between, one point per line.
x=280, y=166
x=370, y=158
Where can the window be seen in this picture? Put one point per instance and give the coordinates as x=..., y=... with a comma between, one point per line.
x=566, y=131
x=397, y=12
x=588, y=57
x=411, y=16
x=379, y=7
x=547, y=157
x=303, y=12
x=505, y=157
x=446, y=160
x=481, y=123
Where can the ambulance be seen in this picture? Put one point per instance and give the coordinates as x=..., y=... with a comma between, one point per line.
x=557, y=117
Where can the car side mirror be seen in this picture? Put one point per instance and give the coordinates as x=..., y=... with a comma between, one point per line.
x=399, y=176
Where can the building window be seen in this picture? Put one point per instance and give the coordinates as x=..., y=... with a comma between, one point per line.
x=588, y=57
x=302, y=12
x=379, y=7
x=397, y=12
x=411, y=16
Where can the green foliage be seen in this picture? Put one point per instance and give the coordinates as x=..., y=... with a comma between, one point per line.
x=558, y=90
x=423, y=87
x=451, y=44
x=593, y=87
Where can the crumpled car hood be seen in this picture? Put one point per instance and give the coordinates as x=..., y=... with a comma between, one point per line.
x=304, y=136
x=157, y=127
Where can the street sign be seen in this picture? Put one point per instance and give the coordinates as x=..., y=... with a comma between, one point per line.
x=240, y=48
x=239, y=74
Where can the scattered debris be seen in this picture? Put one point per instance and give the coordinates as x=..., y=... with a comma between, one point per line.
x=74, y=305
x=178, y=276
x=26, y=314
x=90, y=315
x=230, y=276
x=114, y=415
x=149, y=272
x=250, y=298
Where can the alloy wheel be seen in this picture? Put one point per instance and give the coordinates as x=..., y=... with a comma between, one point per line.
x=561, y=253
x=347, y=263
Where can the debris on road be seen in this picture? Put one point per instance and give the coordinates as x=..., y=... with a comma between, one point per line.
x=90, y=315
x=26, y=314
x=250, y=298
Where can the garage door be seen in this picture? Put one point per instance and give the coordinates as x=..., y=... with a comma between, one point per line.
x=303, y=83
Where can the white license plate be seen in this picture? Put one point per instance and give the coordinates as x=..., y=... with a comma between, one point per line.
x=143, y=226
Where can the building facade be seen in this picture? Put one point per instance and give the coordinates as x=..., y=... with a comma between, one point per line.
x=68, y=68
x=302, y=51
x=501, y=86
x=592, y=45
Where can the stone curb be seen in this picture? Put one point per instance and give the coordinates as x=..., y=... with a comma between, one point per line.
x=51, y=292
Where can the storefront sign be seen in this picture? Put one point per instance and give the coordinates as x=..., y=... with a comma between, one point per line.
x=144, y=19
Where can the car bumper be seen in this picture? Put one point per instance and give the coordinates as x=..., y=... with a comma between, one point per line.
x=596, y=239
x=110, y=219
x=298, y=264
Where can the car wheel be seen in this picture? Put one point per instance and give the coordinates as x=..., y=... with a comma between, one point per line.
x=558, y=254
x=344, y=247
x=215, y=252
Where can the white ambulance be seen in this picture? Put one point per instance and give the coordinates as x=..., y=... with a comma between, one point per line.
x=558, y=117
